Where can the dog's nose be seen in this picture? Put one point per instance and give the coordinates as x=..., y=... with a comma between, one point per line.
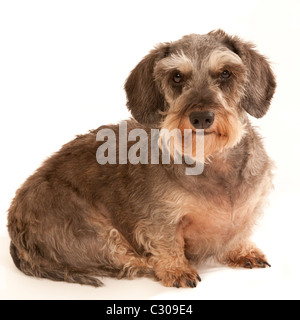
x=202, y=120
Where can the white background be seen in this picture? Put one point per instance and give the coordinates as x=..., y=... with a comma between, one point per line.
x=62, y=69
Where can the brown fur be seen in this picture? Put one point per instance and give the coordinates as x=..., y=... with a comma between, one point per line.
x=74, y=220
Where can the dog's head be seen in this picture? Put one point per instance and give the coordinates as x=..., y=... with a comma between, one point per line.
x=202, y=82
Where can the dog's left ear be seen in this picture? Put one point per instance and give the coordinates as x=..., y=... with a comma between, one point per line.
x=144, y=98
x=260, y=81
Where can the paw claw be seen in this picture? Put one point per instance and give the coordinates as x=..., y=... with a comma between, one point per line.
x=248, y=264
x=267, y=264
x=260, y=263
x=190, y=283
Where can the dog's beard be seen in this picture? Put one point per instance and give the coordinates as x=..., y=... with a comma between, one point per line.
x=226, y=132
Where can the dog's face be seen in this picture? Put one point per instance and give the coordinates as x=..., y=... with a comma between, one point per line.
x=202, y=82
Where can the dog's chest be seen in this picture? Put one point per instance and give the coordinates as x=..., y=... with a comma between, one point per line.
x=216, y=216
x=209, y=216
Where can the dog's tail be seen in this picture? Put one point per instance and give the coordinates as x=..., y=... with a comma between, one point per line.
x=15, y=256
x=57, y=273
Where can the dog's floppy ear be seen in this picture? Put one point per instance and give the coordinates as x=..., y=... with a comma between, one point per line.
x=144, y=99
x=260, y=81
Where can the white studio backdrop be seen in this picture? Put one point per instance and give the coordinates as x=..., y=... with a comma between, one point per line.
x=63, y=65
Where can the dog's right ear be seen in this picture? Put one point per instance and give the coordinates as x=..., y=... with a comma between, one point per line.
x=144, y=98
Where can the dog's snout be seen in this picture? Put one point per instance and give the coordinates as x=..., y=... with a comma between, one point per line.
x=202, y=120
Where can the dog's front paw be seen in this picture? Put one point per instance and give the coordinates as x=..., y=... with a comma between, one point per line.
x=180, y=278
x=253, y=258
x=253, y=261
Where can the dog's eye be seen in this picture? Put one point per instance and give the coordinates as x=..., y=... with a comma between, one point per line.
x=178, y=77
x=225, y=75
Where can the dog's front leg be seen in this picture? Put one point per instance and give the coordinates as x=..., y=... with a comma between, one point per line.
x=169, y=262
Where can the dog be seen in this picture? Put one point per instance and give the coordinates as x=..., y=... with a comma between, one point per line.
x=75, y=220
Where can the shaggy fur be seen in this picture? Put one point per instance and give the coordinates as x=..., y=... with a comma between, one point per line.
x=74, y=220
